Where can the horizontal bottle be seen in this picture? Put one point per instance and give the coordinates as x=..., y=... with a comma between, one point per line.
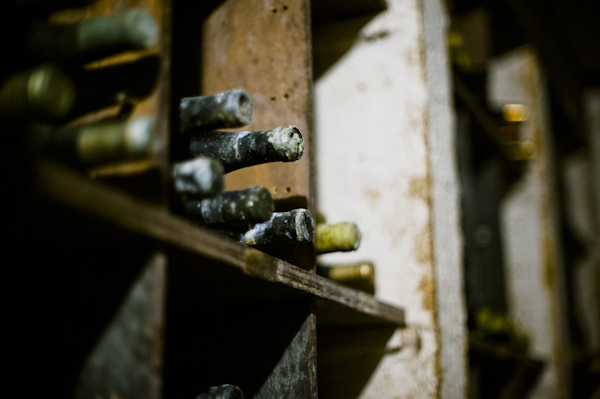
x=227, y=109
x=358, y=275
x=46, y=94
x=201, y=177
x=100, y=144
x=226, y=391
x=340, y=237
x=283, y=228
x=237, y=150
x=95, y=38
x=42, y=94
x=231, y=208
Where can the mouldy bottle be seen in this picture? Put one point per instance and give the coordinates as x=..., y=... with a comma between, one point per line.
x=232, y=208
x=201, y=177
x=93, y=39
x=230, y=108
x=283, y=228
x=237, y=150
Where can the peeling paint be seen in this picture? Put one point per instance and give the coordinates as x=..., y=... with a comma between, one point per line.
x=420, y=187
x=372, y=194
x=424, y=247
x=427, y=288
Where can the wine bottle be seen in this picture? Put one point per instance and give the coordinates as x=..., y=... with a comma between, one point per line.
x=227, y=109
x=231, y=208
x=283, y=228
x=237, y=150
x=95, y=38
x=98, y=144
x=358, y=275
x=226, y=391
x=340, y=237
x=41, y=94
x=197, y=178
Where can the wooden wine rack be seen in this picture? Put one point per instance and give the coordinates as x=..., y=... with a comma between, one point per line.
x=111, y=295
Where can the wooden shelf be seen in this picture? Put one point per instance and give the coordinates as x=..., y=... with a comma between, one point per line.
x=215, y=269
x=139, y=302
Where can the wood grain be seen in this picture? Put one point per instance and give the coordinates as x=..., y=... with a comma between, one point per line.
x=264, y=48
x=128, y=215
x=127, y=359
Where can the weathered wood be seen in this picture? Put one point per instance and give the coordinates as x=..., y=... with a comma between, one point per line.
x=264, y=47
x=348, y=356
x=127, y=359
x=133, y=217
x=295, y=374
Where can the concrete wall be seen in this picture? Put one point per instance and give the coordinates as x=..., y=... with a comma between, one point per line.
x=385, y=160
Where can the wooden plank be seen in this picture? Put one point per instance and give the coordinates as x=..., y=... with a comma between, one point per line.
x=348, y=356
x=295, y=374
x=133, y=216
x=127, y=359
x=264, y=47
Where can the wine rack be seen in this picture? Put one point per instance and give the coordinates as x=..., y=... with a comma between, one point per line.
x=112, y=294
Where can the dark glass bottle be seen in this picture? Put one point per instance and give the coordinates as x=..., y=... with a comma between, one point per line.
x=237, y=150
x=227, y=109
x=201, y=177
x=92, y=39
x=232, y=208
x=283, y=228
x=98, y=144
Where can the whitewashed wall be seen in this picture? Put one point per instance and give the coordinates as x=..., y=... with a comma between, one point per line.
x=535, y=280
x=385, y=160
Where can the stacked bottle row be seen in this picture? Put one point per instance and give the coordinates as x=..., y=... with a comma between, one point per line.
x=246, y=215
x=49, y=84
x=44, y=100
x=57, y=88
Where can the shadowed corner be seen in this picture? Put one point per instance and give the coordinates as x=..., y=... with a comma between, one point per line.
x=348, y=357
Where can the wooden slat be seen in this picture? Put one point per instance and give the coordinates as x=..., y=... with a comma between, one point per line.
x=127, y=359
x=264, y=48
x=336, y=303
